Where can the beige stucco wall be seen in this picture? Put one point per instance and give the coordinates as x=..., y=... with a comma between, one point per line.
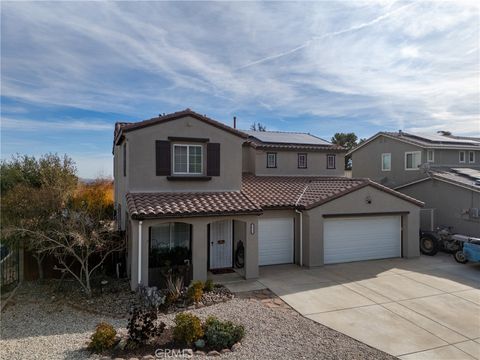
x=199, y=246
x=450, y=204
x=141, y=156
x=354, y=203
x=120, y=183
x=287, y=163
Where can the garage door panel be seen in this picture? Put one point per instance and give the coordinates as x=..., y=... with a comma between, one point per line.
x=362, y=238
x=275, y=241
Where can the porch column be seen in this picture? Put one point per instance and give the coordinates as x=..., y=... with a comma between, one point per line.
x=251, y=248
x=199, y=250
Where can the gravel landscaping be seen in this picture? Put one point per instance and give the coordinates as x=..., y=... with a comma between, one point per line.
x=35, y=326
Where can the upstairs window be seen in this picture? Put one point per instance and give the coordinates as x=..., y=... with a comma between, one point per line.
x=187, y=159
x=413, y=160
x=430, y=156
x=302, y=161
x=271, y=160
x=471, y=157
x=386, y=162
x=331, y=161
x=461, y=156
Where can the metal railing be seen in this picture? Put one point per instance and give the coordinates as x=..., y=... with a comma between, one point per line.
x=9, y=267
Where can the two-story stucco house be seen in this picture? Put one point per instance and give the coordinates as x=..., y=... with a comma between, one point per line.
x=191, y=191
x=441, y=170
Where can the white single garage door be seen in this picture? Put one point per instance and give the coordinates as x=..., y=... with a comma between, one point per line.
x=361, y=238
x=275, y=241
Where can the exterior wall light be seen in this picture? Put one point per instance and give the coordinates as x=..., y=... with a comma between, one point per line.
x=368, y=199
x=252, y=228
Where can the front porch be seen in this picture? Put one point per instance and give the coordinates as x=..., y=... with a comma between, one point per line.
x=191, y=247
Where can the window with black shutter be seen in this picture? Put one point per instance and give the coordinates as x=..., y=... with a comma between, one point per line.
x=213, y=159
x=163, y=158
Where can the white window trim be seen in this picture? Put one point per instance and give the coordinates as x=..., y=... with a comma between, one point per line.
x=304, y=156
x=188, y=159
x=460, y=158
x=433, y=156
x=471, y=152
x=412, y=152
x=334, y=159
x=274, y=158
x=390, y=163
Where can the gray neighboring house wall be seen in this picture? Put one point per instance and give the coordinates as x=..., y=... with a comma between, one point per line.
x=367, y=157
x=196, y=221
x=441, y=180
x=449, y=202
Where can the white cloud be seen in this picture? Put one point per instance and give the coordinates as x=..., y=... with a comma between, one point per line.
x=403, y=63
x=54, y=125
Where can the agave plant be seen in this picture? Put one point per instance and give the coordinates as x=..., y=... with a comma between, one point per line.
x=174, y=287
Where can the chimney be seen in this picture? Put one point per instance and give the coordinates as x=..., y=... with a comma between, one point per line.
x=234, y=122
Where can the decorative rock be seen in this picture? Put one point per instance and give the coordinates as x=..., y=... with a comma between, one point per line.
x=121, y=344
x=133, y=358
x=191, y=307
x=105, y=358
x=236, y=346
x=200, y=305
x=148, y=357
x=200, y=343
x=225, y=351
x=213, y=353
x=199, y=353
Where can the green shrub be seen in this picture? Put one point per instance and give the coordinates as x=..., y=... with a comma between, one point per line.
x=209, y=286
x=103, y=338
x=195, y=291
x=188, y=328
x=222, y=334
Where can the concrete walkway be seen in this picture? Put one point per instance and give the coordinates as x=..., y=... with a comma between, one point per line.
x=425, y=308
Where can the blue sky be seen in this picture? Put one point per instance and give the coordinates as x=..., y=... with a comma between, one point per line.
x=70, y=70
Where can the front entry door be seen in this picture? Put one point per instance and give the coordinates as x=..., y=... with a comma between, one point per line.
x=221, y=244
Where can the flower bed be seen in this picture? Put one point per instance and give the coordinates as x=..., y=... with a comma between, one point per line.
x=147, y=332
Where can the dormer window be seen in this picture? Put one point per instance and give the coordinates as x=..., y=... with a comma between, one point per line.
x=187, y=159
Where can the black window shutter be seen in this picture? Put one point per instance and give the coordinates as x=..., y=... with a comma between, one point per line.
x=213, y=159
x=162, y=157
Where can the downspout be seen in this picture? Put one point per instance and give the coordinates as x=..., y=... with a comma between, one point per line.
x=139, y=252
x=301, y=235
x=301, y=224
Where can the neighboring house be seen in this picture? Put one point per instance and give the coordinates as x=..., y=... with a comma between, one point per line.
x=191, y=190
x=441, y=170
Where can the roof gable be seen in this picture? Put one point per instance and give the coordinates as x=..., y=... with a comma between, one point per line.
x=433, y=141
x=122, y=128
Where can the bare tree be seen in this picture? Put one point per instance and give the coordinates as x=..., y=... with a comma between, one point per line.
x=77, y=241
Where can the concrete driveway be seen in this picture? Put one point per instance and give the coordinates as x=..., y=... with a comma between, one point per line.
x=425, y=308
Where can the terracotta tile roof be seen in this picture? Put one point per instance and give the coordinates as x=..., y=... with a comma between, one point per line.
x=172, y=204
x=305, y=192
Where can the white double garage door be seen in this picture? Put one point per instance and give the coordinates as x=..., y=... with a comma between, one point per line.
x=345, y=239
